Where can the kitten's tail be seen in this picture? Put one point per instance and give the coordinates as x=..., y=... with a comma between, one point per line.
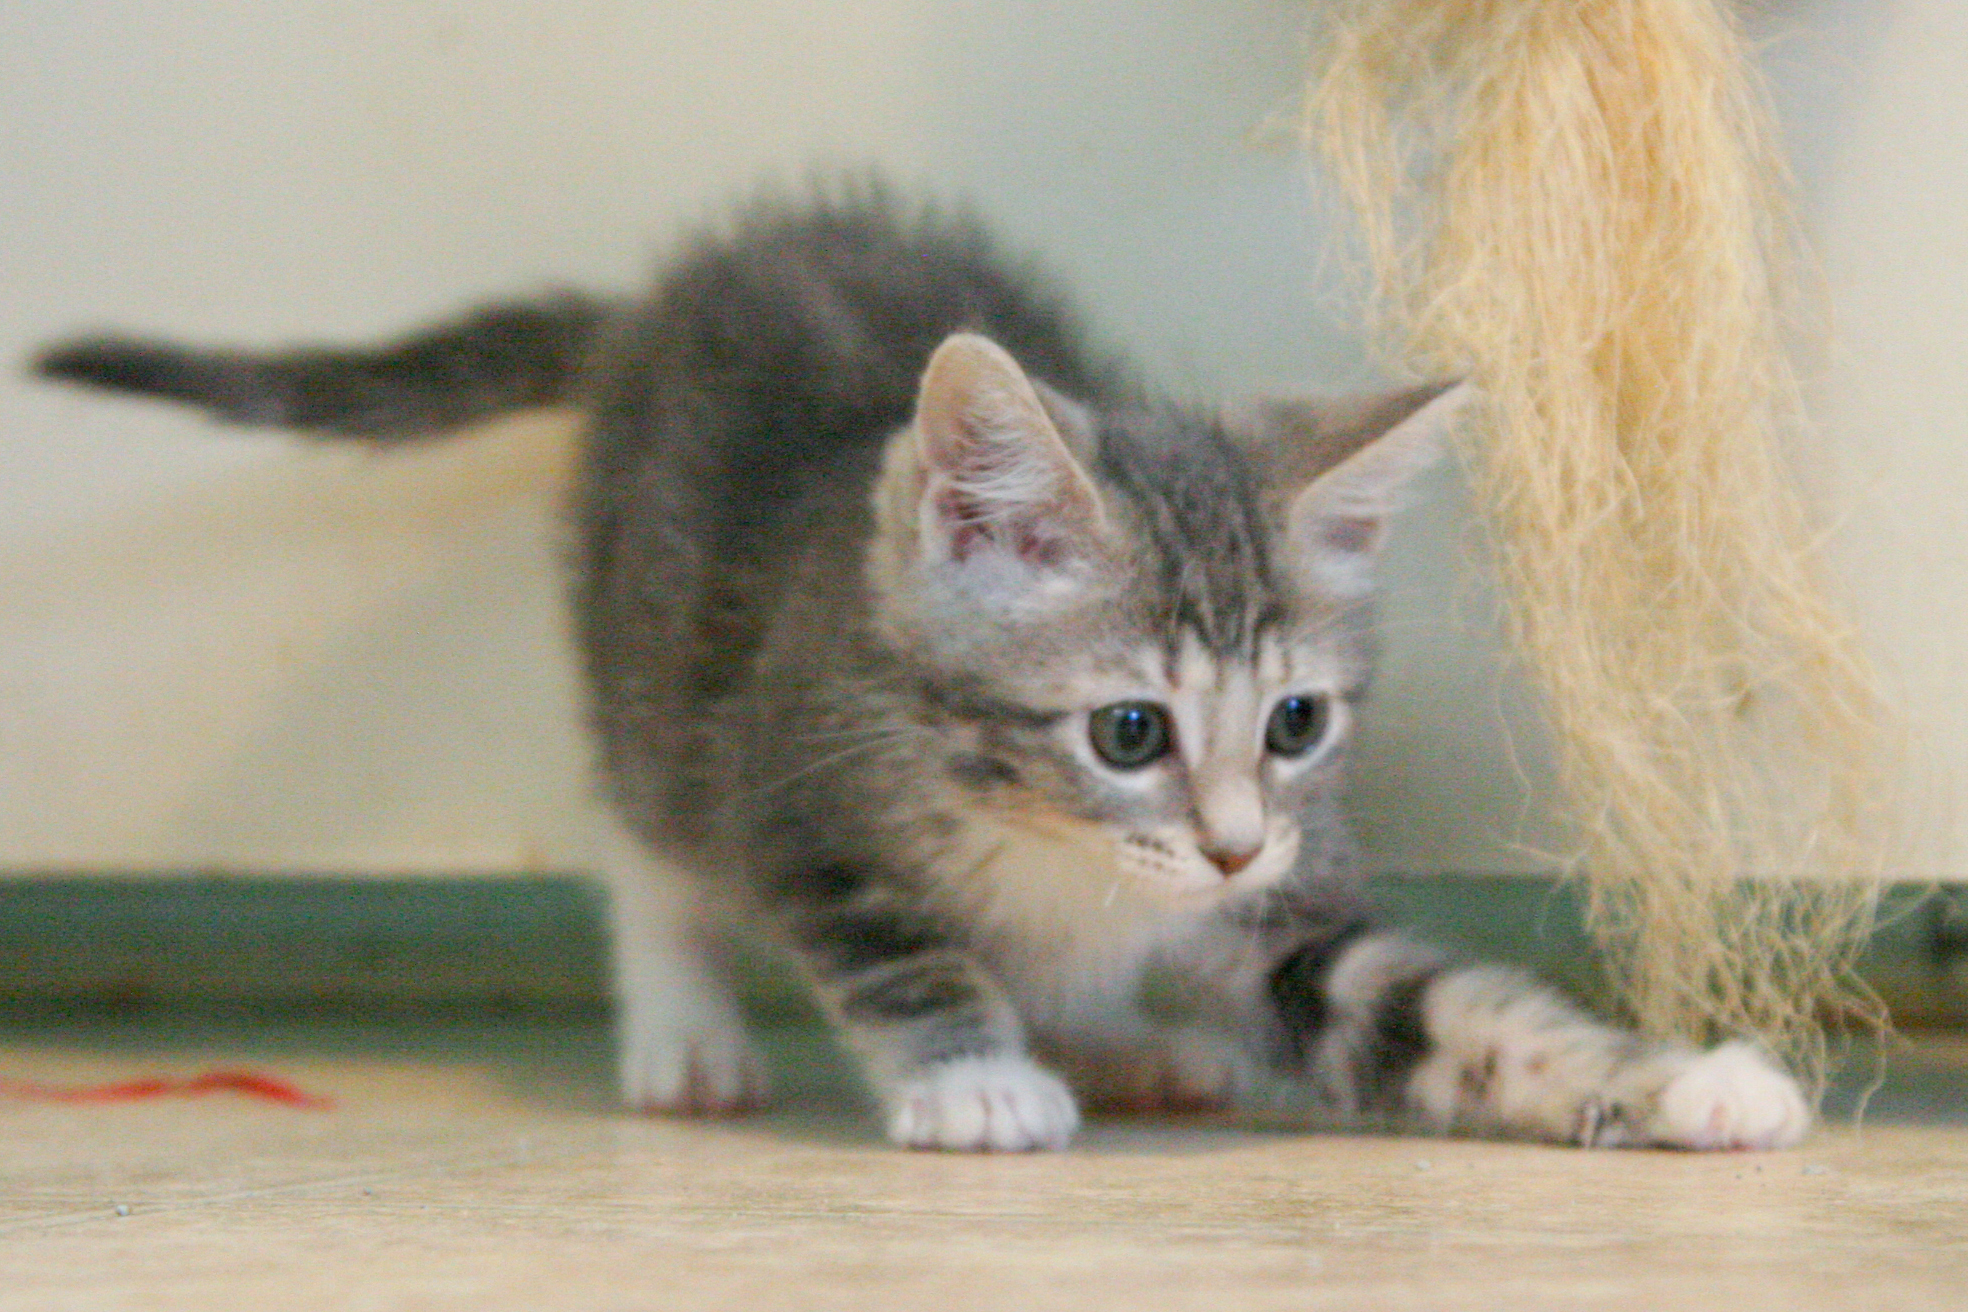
x=496, y=359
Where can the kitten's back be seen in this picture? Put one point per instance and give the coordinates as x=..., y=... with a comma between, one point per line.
x=739, y=416
x=767, y=351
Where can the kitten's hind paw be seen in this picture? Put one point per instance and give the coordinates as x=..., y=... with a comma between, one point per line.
x=983, y=1104
x=693, y=1072
x=1180, y=1074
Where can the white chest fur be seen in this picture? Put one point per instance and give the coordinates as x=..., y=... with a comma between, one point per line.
x=1068, y=919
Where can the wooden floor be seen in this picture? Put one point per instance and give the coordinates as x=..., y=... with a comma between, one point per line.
x=486, y=1171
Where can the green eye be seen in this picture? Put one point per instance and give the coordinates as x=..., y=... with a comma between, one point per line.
x=1129, y=735
x=1297, y=725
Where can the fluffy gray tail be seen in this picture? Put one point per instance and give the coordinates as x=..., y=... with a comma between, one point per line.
x=497, y=359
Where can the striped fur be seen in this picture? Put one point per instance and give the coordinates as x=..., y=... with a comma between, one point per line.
x=866, y=539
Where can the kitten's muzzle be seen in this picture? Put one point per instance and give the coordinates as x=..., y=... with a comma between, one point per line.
x=1231, y=860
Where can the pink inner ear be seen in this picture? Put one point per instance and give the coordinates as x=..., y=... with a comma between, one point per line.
x=1349, y=533
x=970, y=529
x=973, y=528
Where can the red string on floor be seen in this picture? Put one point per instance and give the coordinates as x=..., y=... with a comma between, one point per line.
x=250, y=1083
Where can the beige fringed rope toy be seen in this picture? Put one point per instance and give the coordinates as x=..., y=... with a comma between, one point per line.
x=1578, y=203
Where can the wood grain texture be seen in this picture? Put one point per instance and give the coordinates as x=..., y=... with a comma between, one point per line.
x=474, y=1171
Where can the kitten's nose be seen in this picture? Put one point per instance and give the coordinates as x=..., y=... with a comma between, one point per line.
x=1230, y=821
x=1230, y=862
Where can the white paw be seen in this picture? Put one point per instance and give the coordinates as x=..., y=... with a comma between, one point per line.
x=707, y=1070
x=1730, y=1097
x=984, y=1104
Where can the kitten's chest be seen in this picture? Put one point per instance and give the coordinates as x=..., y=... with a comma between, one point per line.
x=1067, y=927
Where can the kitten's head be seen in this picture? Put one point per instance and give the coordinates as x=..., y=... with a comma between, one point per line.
x=1151, y=626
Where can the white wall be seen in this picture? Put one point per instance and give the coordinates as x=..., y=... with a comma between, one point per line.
x=1879, y=98
x=229, y=651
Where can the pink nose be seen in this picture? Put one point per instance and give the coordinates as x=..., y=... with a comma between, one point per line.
x=1231, y=862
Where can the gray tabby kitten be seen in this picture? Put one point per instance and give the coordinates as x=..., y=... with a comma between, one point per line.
x=1011, y=699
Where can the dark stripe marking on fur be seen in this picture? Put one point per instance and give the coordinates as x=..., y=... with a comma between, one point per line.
x=1298, y=991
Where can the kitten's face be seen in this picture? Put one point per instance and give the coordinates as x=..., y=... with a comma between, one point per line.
x=1138, y=628
x=1195, y=765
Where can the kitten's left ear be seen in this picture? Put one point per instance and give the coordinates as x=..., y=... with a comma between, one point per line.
x=1341, y=467
x=1001, y=487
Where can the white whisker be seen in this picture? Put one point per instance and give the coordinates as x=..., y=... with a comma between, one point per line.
x=821, y=764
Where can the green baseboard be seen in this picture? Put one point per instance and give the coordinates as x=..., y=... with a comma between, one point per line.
x=170, y=939
x=538, y=942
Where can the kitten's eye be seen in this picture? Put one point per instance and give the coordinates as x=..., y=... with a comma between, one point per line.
x=1129, y=735
x=1297, y=724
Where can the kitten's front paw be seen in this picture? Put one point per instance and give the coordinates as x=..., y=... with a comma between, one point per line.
x=1729, y=1097
x=711, y=1070
x=984, y=1104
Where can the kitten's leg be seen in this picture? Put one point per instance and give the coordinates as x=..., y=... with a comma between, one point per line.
x=1384, y=1025
x=1139, y=1070
x=1507, y=1054
x=936, y=1034
x=682, y=1042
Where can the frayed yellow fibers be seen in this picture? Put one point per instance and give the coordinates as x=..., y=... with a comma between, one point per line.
x=1580, y=205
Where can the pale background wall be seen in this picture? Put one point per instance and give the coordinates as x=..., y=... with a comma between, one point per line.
x=232, y=652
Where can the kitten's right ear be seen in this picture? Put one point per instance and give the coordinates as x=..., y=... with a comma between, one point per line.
x=1341, y=467
x=999, y=489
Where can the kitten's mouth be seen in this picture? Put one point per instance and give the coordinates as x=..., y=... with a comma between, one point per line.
x=1161, y=868
x=1171, y=866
